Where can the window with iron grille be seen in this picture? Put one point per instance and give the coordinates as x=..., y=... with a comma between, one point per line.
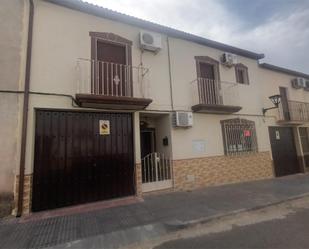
x=239, y=136
x=241, y=72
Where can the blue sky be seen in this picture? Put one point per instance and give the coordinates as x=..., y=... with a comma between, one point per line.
x=278, y=28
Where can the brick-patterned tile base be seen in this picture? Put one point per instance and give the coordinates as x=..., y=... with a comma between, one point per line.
x=218, y=170
x=27, y=194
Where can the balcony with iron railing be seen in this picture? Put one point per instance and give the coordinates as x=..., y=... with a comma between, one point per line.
x=111, y=85
x=293, y=112
x=215, y=97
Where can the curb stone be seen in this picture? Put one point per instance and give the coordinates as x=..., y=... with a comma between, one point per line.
x=178, y=225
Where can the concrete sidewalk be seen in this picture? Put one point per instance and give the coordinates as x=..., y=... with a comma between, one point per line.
x=156, y=216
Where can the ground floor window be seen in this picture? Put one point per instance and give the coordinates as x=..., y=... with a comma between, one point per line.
x=239, y=136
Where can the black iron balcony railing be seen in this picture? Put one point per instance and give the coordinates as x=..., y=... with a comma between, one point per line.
x=212, y=96
x=209, y=91
x=111, y=79
x=294, y=111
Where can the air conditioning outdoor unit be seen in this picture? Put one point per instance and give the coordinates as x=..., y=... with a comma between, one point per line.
x=298, y=83
x=182, y=119
x=150, y=41
x=229, y=59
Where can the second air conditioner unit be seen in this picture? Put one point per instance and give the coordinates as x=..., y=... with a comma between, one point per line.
x=229, y=59
x=298, y=83
x=182, y=119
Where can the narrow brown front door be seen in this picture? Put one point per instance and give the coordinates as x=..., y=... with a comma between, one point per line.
x=76, y=163
x=284, y=103
x=283, y=151
x=112, y=69
x=207, y=88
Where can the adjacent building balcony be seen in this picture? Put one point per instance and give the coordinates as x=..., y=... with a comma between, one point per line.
x=110, y=85
x=293, y=112
x=215, y=97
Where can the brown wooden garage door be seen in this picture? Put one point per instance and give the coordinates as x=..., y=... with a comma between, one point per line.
x=76, y=163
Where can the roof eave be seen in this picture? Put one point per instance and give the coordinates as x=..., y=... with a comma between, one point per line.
x=283, y=70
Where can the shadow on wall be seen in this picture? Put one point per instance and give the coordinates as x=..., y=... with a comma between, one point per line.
x=6, y=204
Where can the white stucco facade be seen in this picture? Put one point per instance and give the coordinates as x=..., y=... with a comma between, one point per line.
x=58, y=41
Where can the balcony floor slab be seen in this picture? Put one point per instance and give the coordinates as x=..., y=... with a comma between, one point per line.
x=215, y=109
x=291, y=122
x=112, y=102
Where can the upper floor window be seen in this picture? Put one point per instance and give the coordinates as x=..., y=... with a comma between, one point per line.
x=239, y=136
x=241, y=72
x=207, y=68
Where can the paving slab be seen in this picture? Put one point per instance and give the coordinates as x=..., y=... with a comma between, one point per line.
x=156, y=215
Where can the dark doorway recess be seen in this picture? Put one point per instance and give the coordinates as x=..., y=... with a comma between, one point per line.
x=148, y=144
x=111, y=65
x=283, y=151
x=207, y=71
x=75, y=164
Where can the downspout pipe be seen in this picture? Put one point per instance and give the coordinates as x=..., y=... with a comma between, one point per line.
x=25, y=113
x=170, y=72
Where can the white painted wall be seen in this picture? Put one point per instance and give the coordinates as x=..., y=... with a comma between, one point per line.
x=207, y=128
x=61, y=35
x=184, y=71
x=13, y=23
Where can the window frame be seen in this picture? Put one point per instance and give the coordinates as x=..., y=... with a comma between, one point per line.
x=244, y=69
x=247, y=146
x=210, y=61
x=106, y=37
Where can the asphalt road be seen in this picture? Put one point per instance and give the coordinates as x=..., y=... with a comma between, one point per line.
x=291, y=232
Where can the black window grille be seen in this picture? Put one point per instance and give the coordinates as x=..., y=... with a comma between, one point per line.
x=239, y=136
